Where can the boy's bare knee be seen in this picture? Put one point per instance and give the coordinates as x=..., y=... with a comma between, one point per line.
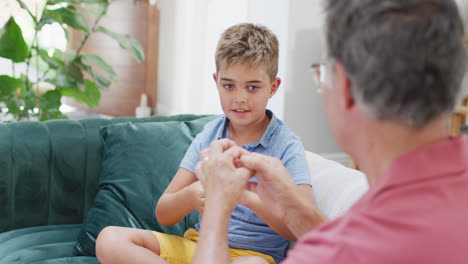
x=250, y=260
x=106, y=242
x=107, y=236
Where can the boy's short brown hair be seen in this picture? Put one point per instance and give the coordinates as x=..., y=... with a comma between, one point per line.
x=250, y=43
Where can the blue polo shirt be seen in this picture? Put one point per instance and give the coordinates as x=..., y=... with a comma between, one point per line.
x=246, y=230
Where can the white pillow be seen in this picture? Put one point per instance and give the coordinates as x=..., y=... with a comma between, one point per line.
x=335, y=187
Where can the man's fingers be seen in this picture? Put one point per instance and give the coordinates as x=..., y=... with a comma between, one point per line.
x=256, y=162
x=246, y=173
x=219, y=146
x=235, y=152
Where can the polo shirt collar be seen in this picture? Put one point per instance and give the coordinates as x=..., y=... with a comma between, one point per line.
x=264, y=140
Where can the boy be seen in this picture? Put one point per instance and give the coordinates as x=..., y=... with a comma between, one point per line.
x=246, y=68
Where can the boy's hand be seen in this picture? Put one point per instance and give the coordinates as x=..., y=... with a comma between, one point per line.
x=198, y=194
x=249, y=198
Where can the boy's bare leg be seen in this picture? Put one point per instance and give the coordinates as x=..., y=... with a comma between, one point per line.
x=117, y=245
x=250, y=260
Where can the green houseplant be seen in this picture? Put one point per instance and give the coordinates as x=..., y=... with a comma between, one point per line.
x=71, y=73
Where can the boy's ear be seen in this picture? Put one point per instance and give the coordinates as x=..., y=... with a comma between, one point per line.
x=215, y=77
x=274, y=86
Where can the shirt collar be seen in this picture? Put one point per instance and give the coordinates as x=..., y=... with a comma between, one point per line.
x=264, y=140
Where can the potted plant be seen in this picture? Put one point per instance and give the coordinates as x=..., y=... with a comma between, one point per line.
x=70, y=73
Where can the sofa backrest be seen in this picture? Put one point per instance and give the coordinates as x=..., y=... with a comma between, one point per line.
x=49, y=171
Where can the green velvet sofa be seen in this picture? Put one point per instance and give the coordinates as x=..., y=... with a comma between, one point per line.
x=62, y=181
x=50, y=177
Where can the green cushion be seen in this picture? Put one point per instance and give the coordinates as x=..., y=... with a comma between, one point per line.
x=139, y=161
x=44, y=244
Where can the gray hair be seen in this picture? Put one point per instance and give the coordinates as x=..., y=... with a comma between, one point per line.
x=405, y=58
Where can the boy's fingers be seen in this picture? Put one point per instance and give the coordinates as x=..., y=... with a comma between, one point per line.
x=198, y=170
x=251, y=186
x=203, y=154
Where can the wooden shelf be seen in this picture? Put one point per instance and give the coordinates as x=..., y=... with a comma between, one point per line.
x=458, y=117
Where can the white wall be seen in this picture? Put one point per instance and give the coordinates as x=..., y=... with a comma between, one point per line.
x=303, y=106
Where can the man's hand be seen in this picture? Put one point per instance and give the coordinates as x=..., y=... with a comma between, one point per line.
x=274, y=182
x=224, y=183
x=278, y=191
x=222, y=180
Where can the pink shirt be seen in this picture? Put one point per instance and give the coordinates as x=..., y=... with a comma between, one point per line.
x=416, y=213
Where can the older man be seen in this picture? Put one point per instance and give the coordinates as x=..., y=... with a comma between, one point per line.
x=393, y=73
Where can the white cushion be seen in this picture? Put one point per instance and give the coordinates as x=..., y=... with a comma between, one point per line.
x=335, y=187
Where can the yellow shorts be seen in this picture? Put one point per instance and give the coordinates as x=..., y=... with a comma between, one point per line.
x=180, y=250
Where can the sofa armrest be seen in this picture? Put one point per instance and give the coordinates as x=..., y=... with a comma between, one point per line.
x=42, y=173
x=335, y=187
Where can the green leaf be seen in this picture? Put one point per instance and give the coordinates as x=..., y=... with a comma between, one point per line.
x=13, y=106
x=98, y=62
x=50, y=100
x=49, y=105
x=97, y=10
x=12, y=44
x=69, y=75
x=45, y=20
x=126, y=42
x=90, y=96
x=52, y=114
x=53, y=62
x=100, y=81
x=61, y=79
x=30, y=101
x=74, y=71
x=22, y=4
x=23, y=87
x=59, y=55
x=9, y=85
x=67, y=36
x=68, y=15
x=64, y=73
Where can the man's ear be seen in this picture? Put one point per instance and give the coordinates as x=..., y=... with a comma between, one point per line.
x=215, y=77
x=344, y=85
x=274, y=86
